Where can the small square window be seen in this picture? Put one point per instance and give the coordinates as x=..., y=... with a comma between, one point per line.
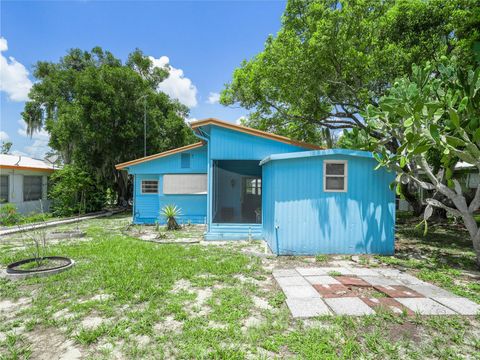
x=335, y=176
x=185, y=161
x=32, y=188
x=149, y=186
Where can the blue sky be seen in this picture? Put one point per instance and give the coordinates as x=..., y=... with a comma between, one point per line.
x=204, y=42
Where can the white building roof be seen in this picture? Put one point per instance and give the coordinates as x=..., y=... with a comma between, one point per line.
x=8, y=161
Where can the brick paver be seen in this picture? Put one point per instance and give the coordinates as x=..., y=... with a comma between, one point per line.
x=398, y=291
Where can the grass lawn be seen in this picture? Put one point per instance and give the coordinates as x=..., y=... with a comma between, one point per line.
x=128, y=298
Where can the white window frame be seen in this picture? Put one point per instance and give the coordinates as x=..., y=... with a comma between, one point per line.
x=149, y=193
x=344, y=176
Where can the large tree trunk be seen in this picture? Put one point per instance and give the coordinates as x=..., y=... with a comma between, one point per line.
x=413, y=199
x=474, y=232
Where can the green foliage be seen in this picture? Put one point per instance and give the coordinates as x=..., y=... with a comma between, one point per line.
x=90, y=104
x=170, y=212
x=9, y=215
x=332, y=58
x=437, y=109
x=5, y=147
x=74, y=191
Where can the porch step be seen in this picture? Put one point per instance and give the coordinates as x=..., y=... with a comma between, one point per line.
x=234, y=232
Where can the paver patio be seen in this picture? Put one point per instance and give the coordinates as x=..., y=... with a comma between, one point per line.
x=354, y=291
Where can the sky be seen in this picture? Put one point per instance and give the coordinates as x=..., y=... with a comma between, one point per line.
x=202, y=41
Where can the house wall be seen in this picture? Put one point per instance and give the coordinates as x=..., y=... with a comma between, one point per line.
x=300, y=218
x=15, y=189
x=147, y=206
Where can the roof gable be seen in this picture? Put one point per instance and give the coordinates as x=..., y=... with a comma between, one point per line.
x=196, y=125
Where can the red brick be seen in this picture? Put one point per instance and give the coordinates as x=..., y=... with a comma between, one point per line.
x=333, y=291
x=387, y=303
x=398, y=291
x=351, y=280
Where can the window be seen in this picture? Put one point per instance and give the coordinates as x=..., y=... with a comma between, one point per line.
x=32, y=188
x=253, y=186
x=335, y=175
x=185, y=161
x=3, y=188
x=185, y=184
x=149, y=186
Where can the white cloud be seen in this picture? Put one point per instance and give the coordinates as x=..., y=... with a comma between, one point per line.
x=176, y=85
x=4, y=136
x=13, y=76
x=40, y=142
x=213, y=98
x=189, y=120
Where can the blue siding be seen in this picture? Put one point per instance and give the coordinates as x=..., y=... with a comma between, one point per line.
x=173, y=164
x=147, y=206
x=300, y=218
x=226, y=144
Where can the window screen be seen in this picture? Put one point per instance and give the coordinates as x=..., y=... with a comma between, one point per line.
x=3, y=188
x=185, y=184
x=335, y=176
x=185, y=161
x=149, y=186
x=32, y=188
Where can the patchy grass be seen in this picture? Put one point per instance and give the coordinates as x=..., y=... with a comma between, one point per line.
x=128, y=298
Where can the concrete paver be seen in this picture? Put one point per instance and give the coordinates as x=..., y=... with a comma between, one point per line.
x=349, y=306
x=300, y=292
x=302, y=308
x=322, y=280
x=380, y=280
x=461, y=305
x=431, y=291
x=284, y=272
x=425, y=306
x=292, y=281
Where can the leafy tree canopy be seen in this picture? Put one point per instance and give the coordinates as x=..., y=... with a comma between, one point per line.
x=332, y=58
x=93, y=107
x=436, y=110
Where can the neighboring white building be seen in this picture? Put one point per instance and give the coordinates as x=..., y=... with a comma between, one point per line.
x=23, y=182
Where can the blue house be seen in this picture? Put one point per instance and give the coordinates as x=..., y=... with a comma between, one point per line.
x=248, y=184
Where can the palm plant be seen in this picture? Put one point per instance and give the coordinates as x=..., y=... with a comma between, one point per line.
x=170, y=212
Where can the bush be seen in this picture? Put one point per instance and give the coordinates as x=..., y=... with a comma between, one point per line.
x=74, y=191
x=9, y=215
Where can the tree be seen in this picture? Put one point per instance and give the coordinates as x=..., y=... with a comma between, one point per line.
x=89, y=103
x=6, y=146
x=331, y=59
x=436, y=110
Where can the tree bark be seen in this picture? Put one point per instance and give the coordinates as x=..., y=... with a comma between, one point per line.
x=412, y=199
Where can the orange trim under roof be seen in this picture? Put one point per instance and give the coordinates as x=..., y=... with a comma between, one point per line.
x=156, y=156
x=211, y=121
x=14, y=167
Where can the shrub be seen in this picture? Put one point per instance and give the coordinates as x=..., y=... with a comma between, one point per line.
x=9, y=215
x=170, y=212
x=74, y=191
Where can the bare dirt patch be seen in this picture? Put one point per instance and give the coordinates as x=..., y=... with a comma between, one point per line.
x=49, y=344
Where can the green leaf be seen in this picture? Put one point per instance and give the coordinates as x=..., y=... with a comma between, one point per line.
x=454, y=118
x=408, y=122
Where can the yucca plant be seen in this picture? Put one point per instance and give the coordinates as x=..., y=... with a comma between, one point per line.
x=170, y=212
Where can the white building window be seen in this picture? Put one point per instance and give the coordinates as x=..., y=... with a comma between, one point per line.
x=32, y=188
x=335, y=174
x=194, y=184
x=149, y=186
x=4, y=188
